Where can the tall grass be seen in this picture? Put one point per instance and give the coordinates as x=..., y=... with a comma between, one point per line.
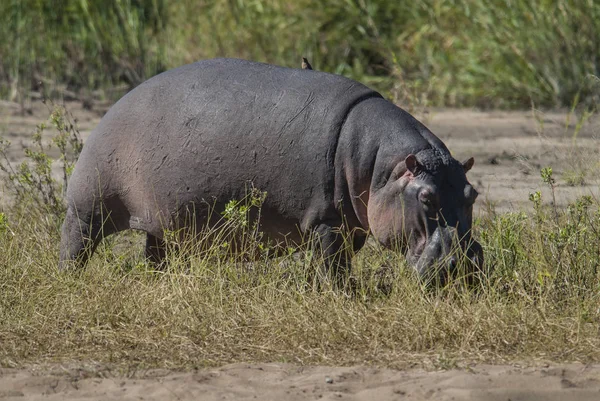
x=504, y=53
x=541, y=302
x=80, y=44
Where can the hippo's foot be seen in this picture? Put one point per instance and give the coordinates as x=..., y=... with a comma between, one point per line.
x=155, y=250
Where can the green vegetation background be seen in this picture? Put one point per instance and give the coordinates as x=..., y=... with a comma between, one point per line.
x=487, y=53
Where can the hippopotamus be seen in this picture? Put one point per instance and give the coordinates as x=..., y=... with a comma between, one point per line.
x=332, y=155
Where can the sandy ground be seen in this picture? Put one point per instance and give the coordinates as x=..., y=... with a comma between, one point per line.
x=290, y=382
x=509, y=148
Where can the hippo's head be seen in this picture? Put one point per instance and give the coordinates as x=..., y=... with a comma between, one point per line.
x=425, y=207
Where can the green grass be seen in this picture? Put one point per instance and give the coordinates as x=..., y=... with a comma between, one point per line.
x=506, y=53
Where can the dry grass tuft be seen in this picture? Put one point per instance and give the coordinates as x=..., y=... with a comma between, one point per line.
x=540, y=301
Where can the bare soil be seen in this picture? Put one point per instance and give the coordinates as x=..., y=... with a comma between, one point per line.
x=510, y=148
x=291, y=382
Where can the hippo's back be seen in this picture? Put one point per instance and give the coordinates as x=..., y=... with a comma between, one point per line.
x=203, y=133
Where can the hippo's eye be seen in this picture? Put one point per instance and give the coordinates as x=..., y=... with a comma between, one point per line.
x=428, y=199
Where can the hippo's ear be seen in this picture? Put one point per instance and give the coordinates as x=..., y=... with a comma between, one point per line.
x=468, y=164
x=411, y=163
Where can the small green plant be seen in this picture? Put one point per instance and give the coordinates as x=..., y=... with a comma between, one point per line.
x=536, y=199
x=33, y=179
x=67, y=140
x=241, y=226
x=548, y=179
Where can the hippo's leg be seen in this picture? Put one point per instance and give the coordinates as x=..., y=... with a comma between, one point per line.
x=337, y=249
x=79, y=238
x=83, y=230
x=155, y=249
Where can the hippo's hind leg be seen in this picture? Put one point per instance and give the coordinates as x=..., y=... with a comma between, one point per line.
x=78, y=239
x=155, y=249
x=83, y=230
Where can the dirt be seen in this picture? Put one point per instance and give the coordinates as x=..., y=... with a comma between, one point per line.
x=510, y=148
x=290, y=382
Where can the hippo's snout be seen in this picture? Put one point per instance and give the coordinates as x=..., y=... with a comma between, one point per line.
x=445, y=252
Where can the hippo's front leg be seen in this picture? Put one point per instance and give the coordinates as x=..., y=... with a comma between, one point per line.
x=155, y=249
x=329, y=243
x=337, y=249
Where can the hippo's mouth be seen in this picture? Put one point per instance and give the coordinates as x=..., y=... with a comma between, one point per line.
x=417, y=251
x=432, y=252
x=440, y=255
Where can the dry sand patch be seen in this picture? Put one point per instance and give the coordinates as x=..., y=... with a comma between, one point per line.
x=290, y=382
x=510, y=148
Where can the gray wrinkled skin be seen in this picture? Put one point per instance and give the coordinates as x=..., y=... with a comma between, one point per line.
x=330, y=153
